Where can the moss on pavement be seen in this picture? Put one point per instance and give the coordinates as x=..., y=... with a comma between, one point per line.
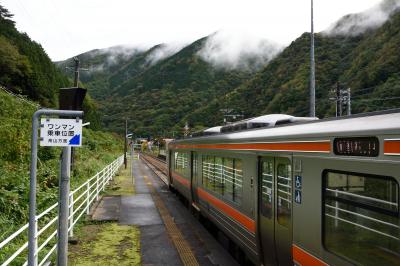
x=122, y=184
x=106, y=244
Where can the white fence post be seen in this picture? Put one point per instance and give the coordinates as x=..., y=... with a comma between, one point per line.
x=102, y=180
x=36, y=241
x=97, y=186
x=71, y=213
x=103, y=176
x=106, y=177
x=112, y=170
x=88, y=198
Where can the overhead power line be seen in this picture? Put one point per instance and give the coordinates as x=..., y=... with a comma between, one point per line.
x=20, y=97
x=312, y=65
x=378, y=99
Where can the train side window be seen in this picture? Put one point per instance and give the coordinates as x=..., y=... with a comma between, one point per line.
x=208, y=172
x=238, y=181
x=361, y=217
x=195, y=165
x=228, y=175
x=219, y=181
x=175, y=159
x=267, y=187
x=186, y=170
x=181, y=163
x=284, y=193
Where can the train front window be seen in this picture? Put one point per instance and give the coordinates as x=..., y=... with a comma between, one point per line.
x=284, y=193
x=361, y=218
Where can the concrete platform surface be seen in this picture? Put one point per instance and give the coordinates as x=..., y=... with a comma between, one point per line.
x=157, y=243
x=108, y=209
x=206, y=248
x=139, y=210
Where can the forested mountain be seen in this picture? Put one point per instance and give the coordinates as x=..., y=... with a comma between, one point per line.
x=25, y=67
x=103, y=68
x=360, y=51
x=155, y=94
x=366, y=62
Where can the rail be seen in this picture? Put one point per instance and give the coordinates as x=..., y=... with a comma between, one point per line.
x=80, y=201
x=157, y=165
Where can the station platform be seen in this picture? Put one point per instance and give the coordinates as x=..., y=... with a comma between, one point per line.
x=168, y=234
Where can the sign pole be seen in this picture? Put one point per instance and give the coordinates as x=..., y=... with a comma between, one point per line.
x=126, y=136
x=32, y=232
x=62, y=245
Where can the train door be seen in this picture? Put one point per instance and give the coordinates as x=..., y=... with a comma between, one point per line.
x=275, y=210
x=194, y=176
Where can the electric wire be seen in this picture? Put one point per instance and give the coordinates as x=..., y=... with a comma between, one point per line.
x=20, y=97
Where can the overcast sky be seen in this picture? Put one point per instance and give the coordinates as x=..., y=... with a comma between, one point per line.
x=70, y=27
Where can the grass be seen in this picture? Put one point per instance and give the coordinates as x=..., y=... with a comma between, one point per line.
x=98, y=150
x=123, y=184
x=106, y=244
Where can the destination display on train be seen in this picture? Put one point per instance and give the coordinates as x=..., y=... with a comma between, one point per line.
x=363, y=146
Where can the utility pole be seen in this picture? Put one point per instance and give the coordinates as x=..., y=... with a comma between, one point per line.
x=338, y=101
x=126, y=136
x=348, y=101
x=312, y=65
x=76, y=69
x=342, y=97
x=76, y=85
x=76, y=78
x=345, y=96
x=186, y=130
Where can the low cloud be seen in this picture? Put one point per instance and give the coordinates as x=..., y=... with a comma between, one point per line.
x=163, y=51
x=235, y=50
x=114, y=55
x=356, y=24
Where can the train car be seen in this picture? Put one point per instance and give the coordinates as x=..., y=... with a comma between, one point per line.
x=312, y=193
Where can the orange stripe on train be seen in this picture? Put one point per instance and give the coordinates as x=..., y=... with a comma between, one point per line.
x=228, y=210
x=181, y=180
x=321, y=146
x=303, y=258
x=391, y=147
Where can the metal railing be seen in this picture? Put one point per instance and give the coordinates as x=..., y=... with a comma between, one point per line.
x=80, y=201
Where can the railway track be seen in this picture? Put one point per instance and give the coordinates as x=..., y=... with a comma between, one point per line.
x=157, y=165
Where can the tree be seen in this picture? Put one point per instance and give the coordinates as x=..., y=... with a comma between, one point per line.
x=13, y=65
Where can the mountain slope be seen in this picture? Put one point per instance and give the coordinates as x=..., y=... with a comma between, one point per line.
x=159, y=97
x=367, y=63
x=25, y=67
x=162, y=94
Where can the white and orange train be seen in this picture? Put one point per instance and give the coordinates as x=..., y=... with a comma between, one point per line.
x=291, y=191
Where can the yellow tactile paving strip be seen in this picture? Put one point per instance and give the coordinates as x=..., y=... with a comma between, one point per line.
x=181, y=245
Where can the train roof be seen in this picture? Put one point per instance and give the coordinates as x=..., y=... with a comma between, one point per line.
x=386, y=122
x=270, y=120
